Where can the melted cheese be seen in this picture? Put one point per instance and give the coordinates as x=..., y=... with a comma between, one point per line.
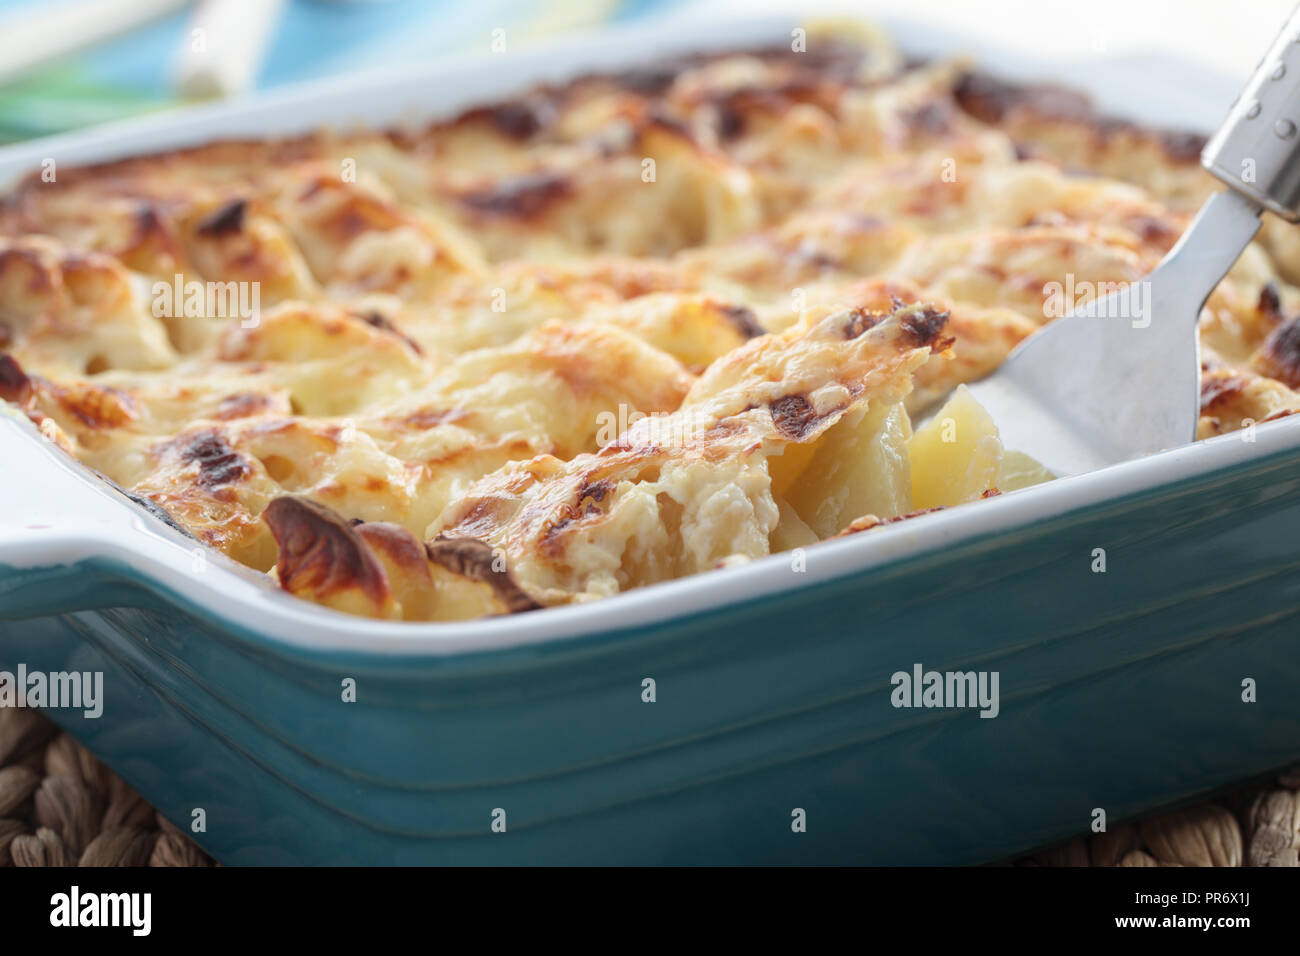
x=606, y=334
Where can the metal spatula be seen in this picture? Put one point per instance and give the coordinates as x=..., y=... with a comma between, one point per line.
x=1119, y=377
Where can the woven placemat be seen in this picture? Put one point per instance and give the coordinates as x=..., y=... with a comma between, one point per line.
x=59, y=806
x=1258, y=825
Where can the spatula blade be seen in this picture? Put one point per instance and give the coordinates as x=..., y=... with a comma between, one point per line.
x=1119, y=378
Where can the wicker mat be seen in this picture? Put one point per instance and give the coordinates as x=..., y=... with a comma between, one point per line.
x=59, y=806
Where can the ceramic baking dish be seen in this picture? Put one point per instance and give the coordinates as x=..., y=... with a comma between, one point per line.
x=1119, y=690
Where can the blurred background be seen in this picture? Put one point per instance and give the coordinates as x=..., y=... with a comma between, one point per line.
x=71, y=63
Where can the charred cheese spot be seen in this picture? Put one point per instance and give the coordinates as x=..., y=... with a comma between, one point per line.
x=793, y=416
x=860, y=320
x=218, y=463
x=476, y=560
x=595, y=491
x=1279, y=358
x=585, y=505
x=1270, y=303
x=744, y=320
x=377, y=320
x=95, y=407
x=1234, y=398
x=243, y=405
x=406, y=564
x=523, y=119
x=523, y=197
x=520, y=119
x=996, y=101
x=15, y=386
x=431, y=417
x=225, y=221
x=325, y=559
x=923, y=325
x=153, y=236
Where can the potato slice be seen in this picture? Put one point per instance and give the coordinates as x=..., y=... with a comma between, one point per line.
x=957, y=455
x=1021, y=471
x=790, y=531
x=860, y=466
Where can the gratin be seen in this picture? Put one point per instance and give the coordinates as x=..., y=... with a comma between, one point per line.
x=610, y=333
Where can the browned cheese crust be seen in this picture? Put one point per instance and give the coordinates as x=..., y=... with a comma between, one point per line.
x=608, y=333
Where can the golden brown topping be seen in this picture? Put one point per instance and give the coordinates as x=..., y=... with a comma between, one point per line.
x=1280, y=356
x=219, y=464
x=860, y=320
x=95, y=406
x=522, y=197
x=744, y=320
x=997, y=101
x=462, y=328
x=225, y=221
x=793, y=416
x=242, y=405
x=1217, y=390
x=990, y=99
x=476, y=560
x=15, y=386
x=519, y=119
x=405, y=562
x=867, y=522
x=323, y=558
x=923, y=325
x=1270, y=304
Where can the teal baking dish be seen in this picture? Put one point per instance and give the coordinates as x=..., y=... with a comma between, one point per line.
x=310, y=737
x=1119, y=690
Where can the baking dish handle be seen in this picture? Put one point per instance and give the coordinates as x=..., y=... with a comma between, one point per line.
x=57, y=528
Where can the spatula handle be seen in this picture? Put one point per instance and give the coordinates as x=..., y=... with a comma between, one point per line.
x=1257, y=149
